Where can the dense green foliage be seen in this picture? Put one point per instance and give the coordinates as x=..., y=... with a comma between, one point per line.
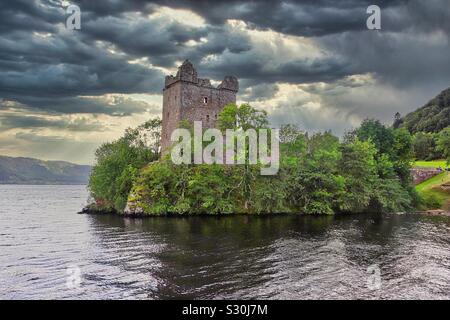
x=432, y=117
x=429, y=126
x=368, y=171
x=431, y=146
x=118, y=164
x=424, y=145
x=33, y=171
x=443, y=143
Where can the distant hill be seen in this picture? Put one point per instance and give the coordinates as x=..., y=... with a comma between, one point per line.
x=432, y=117
x=34, y=171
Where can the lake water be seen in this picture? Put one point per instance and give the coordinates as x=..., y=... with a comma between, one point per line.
x=47, y=251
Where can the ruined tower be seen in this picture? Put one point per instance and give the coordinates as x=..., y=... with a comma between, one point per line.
x=187, y=97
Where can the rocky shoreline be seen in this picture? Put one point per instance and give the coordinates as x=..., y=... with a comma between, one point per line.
x=93, y=209
x=136, y=212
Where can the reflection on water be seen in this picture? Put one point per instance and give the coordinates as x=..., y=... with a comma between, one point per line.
x=42, y=240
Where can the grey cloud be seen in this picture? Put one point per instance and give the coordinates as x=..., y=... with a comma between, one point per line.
x=55, y=70
x=259, y=92
x=254, y=71
x=27, y=136
x=306, y=18
x=115, y=106
x=140, y=36
x=401, y=59
x=23, y=15
x=16, y=121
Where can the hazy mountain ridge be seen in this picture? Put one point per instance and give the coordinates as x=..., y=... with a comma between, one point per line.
x=34, y=171
x=432, y=117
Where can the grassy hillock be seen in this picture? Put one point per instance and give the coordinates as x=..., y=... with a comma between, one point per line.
x=433, y=191
x=432, y=164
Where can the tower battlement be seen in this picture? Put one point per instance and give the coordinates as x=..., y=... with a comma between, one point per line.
x=187, y=73
x=187, y=97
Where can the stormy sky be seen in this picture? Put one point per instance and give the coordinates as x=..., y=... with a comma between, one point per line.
x=313, y=63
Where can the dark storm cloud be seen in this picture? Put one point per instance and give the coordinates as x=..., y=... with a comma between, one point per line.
x=49, y=71
x=259, y=92
x=399, y=59
x=52, y=72
x=24, y=15
x=140, y=36
x=306, y=17
x=163, y=41
x=65, y=66
x=339, y=25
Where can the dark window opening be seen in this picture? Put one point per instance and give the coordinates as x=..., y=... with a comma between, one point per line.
x=205, y=100
x=207, y=118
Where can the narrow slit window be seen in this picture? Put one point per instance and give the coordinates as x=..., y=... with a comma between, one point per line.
x=205, y=100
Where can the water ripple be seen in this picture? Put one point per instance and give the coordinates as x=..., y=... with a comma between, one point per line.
x=42, y=240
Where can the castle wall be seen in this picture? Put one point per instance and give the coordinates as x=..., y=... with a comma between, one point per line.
x=195, y=108
x=172, y=113
x=186, y=97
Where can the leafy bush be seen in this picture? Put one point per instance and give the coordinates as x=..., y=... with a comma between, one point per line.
x=118, y=164
x=443, y=143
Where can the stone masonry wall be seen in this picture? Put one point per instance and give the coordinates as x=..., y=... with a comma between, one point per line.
x=419, y=175
x=187, y=97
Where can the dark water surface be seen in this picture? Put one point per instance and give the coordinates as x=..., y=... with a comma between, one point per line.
x=44, y=244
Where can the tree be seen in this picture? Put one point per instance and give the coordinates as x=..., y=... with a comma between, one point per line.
x=312, y=182
x=293, y=144
x=424, y=146
x=443, y=143
x=375, y=131
x=118, y=163
x=358, y=167
x=397, y=120
x=243, y=116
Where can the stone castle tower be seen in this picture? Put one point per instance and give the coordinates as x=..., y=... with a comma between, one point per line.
x=187, y=97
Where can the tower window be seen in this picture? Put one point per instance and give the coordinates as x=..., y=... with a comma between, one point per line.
x=205, y=100
x=207, y=118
